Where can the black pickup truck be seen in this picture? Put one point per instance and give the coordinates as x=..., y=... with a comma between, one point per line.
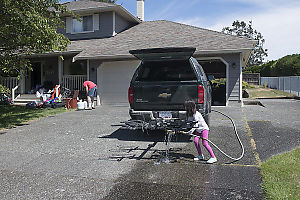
x=164, y=80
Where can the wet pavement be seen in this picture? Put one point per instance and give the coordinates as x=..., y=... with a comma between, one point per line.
x=80, y=155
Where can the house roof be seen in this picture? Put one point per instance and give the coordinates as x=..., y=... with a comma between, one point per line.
x=87, y=7
x=85, y=4
x=158, y=34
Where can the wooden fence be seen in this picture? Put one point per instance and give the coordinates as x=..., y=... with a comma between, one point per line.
x=253, y=78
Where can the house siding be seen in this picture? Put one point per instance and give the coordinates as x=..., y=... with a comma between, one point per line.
x=234, y=86
x=105, y=28
x=121, y=24
x=93, y=67
x=233, y=76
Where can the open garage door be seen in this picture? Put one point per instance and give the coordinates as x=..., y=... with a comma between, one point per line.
x=114, y=79
x=217, y=69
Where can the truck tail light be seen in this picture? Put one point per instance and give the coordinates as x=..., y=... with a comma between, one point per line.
x=130, y=95
x=200, y=94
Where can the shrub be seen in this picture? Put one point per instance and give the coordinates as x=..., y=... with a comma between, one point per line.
x=218, y=82
x=4, y=89
x=246, y=85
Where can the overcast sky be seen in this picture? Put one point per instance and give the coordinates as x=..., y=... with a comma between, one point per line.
x=277, y=20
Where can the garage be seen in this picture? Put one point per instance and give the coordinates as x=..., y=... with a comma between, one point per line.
x=215, y=70
x=113, y=81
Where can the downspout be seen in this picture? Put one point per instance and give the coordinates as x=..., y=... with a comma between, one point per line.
x=114, y=24
x=88, y=69
x=241, y=77
x=60, y=66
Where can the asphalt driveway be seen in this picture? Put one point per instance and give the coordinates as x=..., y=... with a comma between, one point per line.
x=80, y=155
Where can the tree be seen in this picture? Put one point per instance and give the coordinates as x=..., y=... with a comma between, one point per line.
x=242, y=29
x=264, y=69
x=287, y=66
x=28, y=27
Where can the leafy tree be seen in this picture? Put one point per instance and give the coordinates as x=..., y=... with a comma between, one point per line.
x=240, y=28
x=264, y=69
x=27, y=27
x=287, y=66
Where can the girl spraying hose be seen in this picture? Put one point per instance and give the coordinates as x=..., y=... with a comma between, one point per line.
x=202, y=130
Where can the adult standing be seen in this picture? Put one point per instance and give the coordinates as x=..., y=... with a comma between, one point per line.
x=91, y=93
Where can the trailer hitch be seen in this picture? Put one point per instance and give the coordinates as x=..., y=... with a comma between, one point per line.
x=171, y=125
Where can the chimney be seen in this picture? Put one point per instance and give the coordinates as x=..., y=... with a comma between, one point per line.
x=140, y=9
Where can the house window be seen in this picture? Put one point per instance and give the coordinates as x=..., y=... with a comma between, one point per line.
x=75, y=68
x=85, y=25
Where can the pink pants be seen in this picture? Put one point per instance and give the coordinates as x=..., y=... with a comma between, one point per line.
x=204, y=134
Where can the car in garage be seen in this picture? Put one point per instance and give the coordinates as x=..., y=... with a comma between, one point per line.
x=163, y=81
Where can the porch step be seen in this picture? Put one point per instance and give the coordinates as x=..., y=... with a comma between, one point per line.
x=23, y=99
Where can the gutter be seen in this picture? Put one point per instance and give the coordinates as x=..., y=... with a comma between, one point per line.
x=56, y=53
x=129, y=56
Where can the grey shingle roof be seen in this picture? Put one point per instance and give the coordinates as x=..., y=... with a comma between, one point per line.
x=157, y=34
x=86, y=4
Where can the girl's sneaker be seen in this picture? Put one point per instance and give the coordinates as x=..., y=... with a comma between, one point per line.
x=199, y=157
x=212, y=160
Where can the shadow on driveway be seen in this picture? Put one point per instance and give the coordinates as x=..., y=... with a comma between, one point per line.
x=151, y=136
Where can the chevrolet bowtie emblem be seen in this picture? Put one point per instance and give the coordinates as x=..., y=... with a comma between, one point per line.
x=164, y=95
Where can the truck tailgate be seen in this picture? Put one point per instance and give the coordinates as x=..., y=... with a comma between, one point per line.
x=170, y=96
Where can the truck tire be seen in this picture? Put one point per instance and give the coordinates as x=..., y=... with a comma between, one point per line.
x=207, y=119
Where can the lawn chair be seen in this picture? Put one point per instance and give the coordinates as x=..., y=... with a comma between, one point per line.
x=71, y=103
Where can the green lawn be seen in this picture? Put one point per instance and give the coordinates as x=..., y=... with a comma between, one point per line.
x=281, y=173
x=260, y=92
x=11, y=116
x=281, y=176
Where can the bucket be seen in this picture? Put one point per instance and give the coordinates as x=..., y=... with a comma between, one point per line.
x=80, y=105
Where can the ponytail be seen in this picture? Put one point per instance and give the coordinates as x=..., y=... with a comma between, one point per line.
x=190, y=108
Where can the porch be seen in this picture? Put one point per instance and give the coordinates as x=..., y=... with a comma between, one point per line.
x=46, y=73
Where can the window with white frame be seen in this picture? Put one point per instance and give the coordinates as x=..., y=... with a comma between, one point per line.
x=85, y=25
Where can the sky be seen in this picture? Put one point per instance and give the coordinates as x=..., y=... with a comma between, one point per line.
x=277, y=20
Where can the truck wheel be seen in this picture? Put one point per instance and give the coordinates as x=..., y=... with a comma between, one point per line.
x=207, y=119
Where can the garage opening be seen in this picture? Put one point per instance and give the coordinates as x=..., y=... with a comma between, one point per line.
x=215, y=70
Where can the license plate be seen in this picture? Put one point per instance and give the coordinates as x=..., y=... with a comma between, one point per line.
x=165, y=115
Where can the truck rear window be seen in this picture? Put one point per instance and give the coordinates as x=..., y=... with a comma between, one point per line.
x=176, y=70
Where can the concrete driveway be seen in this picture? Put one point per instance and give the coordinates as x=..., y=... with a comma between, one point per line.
x=80, y=155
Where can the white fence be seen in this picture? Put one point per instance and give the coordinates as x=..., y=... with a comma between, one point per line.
x=74, y=82
x=289, y=84
x=9, y=82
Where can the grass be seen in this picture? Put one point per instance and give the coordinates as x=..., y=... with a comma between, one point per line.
x=11, y=116
x=281, y=176
x=281, y=173
x=261, y=92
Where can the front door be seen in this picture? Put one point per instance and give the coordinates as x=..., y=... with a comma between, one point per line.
x=33, y=81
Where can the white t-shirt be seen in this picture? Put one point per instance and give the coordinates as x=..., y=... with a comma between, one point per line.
x=200, y=125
